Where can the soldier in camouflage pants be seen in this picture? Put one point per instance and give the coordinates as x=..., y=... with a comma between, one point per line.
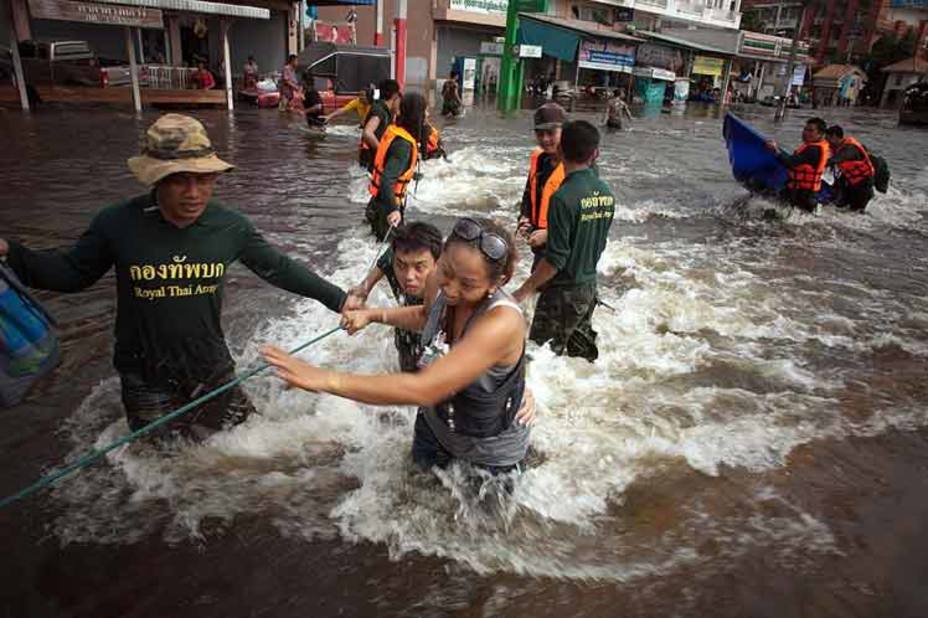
x=564, y=316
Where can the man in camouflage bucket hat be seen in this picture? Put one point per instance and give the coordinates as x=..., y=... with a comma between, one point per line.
x=171, y=248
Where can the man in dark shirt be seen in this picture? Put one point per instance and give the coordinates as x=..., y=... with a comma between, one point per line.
x=171, y=249
x=805, y=166
x=413, y=256
x=578, y=229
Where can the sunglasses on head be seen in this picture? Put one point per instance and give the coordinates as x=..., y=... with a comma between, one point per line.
x=490, y=244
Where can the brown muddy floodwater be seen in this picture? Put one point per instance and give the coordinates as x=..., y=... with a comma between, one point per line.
x=753, y=440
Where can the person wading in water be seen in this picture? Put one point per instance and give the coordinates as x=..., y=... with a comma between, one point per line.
x=394, y=166
x=472, y=378
x=171, y=248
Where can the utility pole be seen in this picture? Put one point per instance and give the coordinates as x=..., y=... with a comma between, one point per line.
x=509, y=83
x=400, y=25
x=791, y=65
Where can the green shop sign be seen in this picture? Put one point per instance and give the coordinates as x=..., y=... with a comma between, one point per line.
x=533, y=6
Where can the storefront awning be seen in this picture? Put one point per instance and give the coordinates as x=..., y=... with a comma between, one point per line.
x=559, y=38
x=198, y=6
x=556, y=42
x=685, y=44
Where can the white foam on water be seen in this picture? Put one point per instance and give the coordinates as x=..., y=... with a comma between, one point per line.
x=687, y=381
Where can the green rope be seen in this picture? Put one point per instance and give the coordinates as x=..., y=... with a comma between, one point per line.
x=96, y=454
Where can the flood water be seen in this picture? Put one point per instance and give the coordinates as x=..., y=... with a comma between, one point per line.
x=751, y=442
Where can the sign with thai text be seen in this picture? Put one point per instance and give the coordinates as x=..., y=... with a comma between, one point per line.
x=93, y=13
x=704, y=65
x=604, y=56
x=480, y=6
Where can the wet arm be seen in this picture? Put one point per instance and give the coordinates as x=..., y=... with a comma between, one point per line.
x=369, y=135
x=846, y=154
x=809, y=156
x=283, y=272
x=70, y=270
x=489, y=342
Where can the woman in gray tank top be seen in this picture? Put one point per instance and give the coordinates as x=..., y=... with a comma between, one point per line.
x=471, y=393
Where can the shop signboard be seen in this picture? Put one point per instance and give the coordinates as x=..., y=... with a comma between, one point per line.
x=705, y=65
x=605, y=56
x=799, y=75
x=470, y=74
x=652, y=55
x=527, y=51
x=533, y=6
x=655, y=73
x=480, y=6
x=490, y=48
x=94, y=13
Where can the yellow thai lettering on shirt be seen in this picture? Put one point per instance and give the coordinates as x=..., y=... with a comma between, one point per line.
x=599, y=206
x=178, y=268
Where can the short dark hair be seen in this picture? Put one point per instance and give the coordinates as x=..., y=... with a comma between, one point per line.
x=579, y=141
x=501, y=269
x=835, y=131
x=291, y=58
x=388, y=88
x=417, y=236
x=819, y=124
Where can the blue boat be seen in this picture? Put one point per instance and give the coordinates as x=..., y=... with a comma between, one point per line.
x=753, y=164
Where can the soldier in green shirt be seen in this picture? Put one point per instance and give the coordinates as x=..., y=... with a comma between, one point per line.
x=579, y=219
x=171, y=249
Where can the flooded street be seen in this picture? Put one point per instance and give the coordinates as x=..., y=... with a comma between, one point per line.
x=752, y=441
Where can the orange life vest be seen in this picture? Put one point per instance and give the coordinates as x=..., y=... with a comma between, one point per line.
x=433, y=143
x=380, y=160
x=540, y=208
x=856, y=171
x=806, y=177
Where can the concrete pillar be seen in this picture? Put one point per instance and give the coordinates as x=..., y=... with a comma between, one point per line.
x=378, y=24
x=134, y=71
x=20, y=16
x=173, y=33
x=400, y=26
x=225, y=24
x=846, y=27
x=18, y=69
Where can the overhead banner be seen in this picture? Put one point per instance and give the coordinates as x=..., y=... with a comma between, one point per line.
x=652, y=55
x=480, y=6
x=704, y=65
x=604, y=56
x=93, y=13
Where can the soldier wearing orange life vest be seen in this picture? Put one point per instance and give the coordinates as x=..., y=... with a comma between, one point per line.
x=394, y=166
x=545, y=175
x=855, y=182
x=806, y=165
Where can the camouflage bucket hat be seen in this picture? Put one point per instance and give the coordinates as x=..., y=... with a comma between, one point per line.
x=175, y=143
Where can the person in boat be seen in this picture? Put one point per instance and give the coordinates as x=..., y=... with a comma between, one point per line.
x=361, y=105
x=616, y=108
x=545, y=175
x=806, y=165
x=854, y=185
x=312, y=102
x=471, y=381
x=579, y=219
x=171, y=248
x=414, y=251
x=250, y=74
x=451, y=105
x=381, y=116
x=394, y=166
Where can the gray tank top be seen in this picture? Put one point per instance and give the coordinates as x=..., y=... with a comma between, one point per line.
x=482, y=432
